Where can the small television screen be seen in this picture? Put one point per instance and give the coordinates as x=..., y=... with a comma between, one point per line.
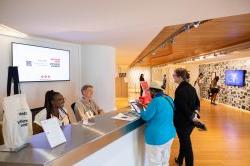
x=37, y=63
x=235, y=77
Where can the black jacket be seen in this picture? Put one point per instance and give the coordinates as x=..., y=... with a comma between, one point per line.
x=186, y=102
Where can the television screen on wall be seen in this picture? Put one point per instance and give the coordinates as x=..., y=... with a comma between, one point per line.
x=235, y=77
x=37, y=63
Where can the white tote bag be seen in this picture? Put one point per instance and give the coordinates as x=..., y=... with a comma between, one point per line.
x=17, y=121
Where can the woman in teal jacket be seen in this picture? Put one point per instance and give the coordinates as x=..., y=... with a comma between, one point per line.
x=159, y=131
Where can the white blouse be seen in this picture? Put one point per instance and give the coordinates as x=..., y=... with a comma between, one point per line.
x=42, y=115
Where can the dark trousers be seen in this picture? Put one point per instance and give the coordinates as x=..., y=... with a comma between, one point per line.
x=185, y=150
x=13, y=74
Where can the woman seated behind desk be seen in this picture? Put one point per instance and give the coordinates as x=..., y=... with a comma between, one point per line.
x=54, y=107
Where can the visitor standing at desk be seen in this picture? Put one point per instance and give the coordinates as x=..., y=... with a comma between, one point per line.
x=159, y=131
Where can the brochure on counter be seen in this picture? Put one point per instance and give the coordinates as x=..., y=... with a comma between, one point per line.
x=122, y=116
x=53, y=132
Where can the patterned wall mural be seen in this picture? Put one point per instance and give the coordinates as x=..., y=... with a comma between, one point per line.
x=232, y=95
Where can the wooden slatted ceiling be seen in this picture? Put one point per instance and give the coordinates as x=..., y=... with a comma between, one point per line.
x=212, y=35
x=167, y=31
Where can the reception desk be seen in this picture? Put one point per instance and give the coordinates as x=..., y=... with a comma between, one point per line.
x=109, y=142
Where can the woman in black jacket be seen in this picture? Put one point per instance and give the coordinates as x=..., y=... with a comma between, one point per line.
x=186, y=102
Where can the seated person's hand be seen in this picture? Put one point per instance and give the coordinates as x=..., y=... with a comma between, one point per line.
x=197, y=114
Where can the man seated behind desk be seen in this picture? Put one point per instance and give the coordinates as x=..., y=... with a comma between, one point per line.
x=85, y=107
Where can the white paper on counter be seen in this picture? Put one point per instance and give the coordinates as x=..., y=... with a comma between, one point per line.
x=122, y=116
x=53, y=132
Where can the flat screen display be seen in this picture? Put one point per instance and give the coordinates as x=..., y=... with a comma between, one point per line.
x=235, y=77
x=37, y=63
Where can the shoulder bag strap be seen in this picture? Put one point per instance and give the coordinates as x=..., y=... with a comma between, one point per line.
x=171, y=104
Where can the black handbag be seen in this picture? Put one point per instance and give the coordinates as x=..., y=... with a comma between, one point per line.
x=200, y=125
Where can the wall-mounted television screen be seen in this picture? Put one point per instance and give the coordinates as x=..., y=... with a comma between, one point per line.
x=37, y=63
x=235, y=77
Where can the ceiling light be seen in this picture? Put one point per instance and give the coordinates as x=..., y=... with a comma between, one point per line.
x=210, y=56
x=197, y=24
x=5, y=30
x=163, y=45
x=201, y=57
x=187, y=27
x=222, y=53
x=216, y=54
x=198, y=59
x=171, y=41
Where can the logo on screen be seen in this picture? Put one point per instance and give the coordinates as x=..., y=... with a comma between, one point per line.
x=28, y=63
x=45, y=76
